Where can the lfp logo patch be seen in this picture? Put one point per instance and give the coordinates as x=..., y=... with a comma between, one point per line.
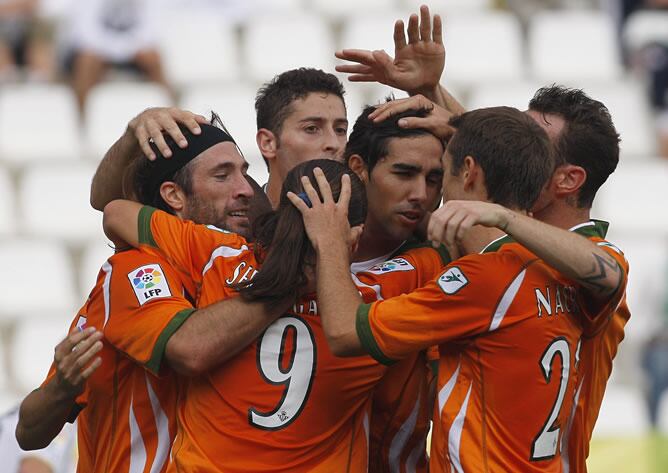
x=452, y=280
x=396, y=264
x=149, y=282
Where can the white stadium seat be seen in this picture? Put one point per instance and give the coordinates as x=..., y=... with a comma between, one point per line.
x=7, y=214
x=631, y=113
x=645, y=27
x=36, y=277
x=370, y=30
x=483, y=46
x=277, y=43
x=344, y=8
x=635, y=195
x=198, y=48
x=33, y=346
x=109, y=108
x=38, y=123
x=54, y=203
x=567, y=46
x=622, y=412
x=515, y=94
x=449, y=6
x=95, y=253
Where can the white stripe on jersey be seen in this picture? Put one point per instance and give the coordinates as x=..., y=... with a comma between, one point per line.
x=137, y=447
x=161, y=427
x=223, y=252
x=506, y=301
x=106, y=267
x=455, y=435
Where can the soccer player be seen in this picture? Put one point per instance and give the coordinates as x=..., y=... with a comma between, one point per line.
x=482, y=308
x=588, y=152
x=143, y=308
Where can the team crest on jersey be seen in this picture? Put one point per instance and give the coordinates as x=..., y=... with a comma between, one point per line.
x=452, y=280
x=216, y=229
x=396, y=264
x=149, y=282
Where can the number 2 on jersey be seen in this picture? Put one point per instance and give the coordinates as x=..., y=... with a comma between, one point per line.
x=296, y=378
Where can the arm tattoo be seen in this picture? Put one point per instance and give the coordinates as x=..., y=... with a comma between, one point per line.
x=599, y=272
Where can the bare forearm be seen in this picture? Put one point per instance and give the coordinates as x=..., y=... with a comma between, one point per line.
x=42, y=416
x=571, y=254
x=448, y=101
x=107, y=183
x=338, y=300
x=216, y=333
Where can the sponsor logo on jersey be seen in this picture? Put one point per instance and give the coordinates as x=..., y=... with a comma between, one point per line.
x=216, y=229
x=396, y=264
x=452, y=280
x=149, y=283
x=81, y=323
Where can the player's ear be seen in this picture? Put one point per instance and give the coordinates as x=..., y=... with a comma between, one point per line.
x=469, y=171
x=173, y=195
x=567, y=179
x=358, y=166
x=267, y=143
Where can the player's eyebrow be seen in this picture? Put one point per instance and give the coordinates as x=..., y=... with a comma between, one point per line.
x=406, y=167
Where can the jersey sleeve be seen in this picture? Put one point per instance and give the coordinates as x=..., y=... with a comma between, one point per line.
x=187, y=246
x=597, y=313
x=146, y=306
x=461, y=303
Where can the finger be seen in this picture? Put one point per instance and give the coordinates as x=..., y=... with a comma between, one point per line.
x=413, y=29
x=88, y=355
x=453, y=227
x=344, y=195
x=399, y=36
x=85, y=344
x=389, y=109
x=437, y=223
x=362, y=56
x=382, y=58
x=85, y=374
x=465, y=226
x=310, y=191
x=415, y=122
x=155, y=132
x=202, y=120
x=323, y=185
x=425, y=24
x=172, y=128
x=353, y=68
x=74, y=338
x=362, y=78
x=142, y=138
x=437, y=31
x=297, y=202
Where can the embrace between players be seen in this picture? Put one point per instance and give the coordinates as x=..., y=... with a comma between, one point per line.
x=321, y=322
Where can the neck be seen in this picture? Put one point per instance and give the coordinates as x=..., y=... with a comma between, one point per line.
x=274, y=185
x=478, y=237
x=562, y=215
x=374, y=243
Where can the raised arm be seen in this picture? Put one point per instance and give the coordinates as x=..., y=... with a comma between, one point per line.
x=121, y=222
x=569, y=253
x=107, y=183
x=417, y=65
x=44, y=411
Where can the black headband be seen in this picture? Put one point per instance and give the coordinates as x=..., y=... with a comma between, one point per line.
x=163, y=169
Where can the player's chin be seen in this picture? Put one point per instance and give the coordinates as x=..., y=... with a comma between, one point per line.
x=239, y=225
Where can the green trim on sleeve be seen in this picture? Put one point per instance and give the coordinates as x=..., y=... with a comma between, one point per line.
x=158, y=354
x=144, y=226
x=366, y=335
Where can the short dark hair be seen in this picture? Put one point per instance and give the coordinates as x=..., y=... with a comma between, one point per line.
x=589, y=138
x=513, y=151
x=370, y=140
x=274, y=99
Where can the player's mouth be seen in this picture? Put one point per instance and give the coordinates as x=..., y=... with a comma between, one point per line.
x=239, y=213
x=411, y=217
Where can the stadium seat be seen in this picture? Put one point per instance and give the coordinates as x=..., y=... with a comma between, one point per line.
x=351, y=8
x=36, y=277
x=449, y=6
x=94, y=254
x=645, y=27
x=631, y=113
x=275, y=43
x=38, y=123
x=198, y=48
x=622, y=413
x=516, y=94
x=7, y=214
x=569, y=46
x=482, y=46
x=109, y=108
x=54, y=203
x=635, y=195
x=33, y=346
x=235, y=103
x=369, y=30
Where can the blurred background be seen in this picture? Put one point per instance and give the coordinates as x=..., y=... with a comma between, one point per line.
x=74, y=72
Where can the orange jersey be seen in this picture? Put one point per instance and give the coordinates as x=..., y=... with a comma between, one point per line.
x=598, y=349
x=127, y=421
x=284, y=403
x=402, y=405
x=507, y=373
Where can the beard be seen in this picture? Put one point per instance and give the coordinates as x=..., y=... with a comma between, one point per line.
x=204, y=212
